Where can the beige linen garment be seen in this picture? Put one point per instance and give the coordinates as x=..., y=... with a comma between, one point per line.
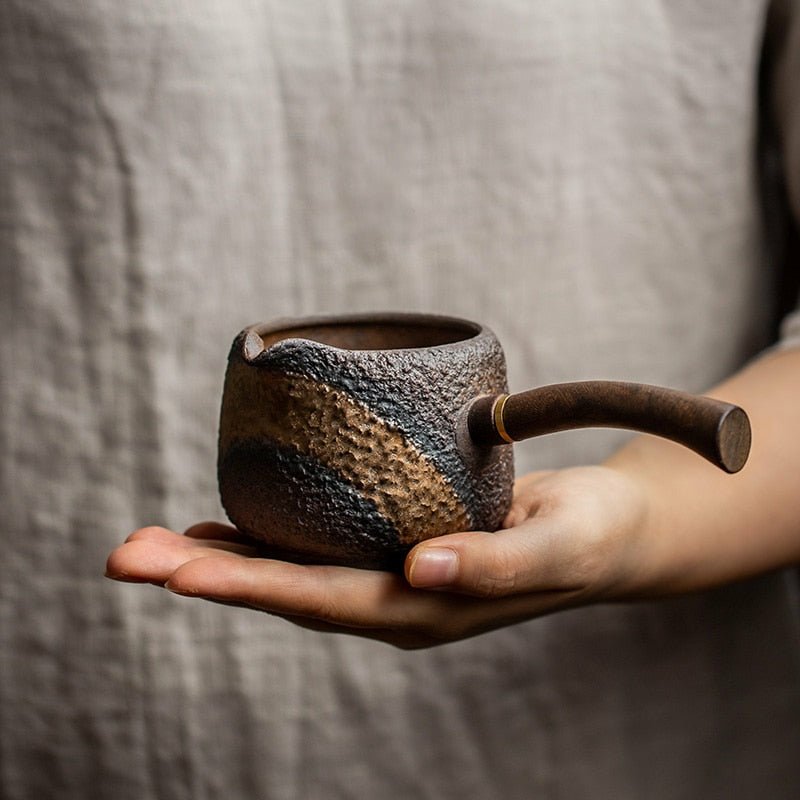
x=580, y=176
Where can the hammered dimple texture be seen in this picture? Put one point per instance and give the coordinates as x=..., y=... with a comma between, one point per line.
x=317, y=420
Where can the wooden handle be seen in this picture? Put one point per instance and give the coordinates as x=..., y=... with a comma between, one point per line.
x=717, y=431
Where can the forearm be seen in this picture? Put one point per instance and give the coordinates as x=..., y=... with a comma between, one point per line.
x=705, y=527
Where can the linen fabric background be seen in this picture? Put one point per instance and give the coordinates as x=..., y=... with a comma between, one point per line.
x=582, y=177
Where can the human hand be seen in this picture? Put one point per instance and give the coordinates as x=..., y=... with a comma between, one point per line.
x=571, y=537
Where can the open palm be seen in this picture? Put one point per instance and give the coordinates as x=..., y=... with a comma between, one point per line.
x=570, y=537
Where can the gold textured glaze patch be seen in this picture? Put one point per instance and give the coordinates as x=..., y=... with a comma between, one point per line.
x=326, y=423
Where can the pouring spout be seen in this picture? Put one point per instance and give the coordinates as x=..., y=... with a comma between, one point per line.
x=718, y=431
x=252, y=346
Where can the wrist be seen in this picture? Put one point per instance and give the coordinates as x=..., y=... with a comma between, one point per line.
x=657, y=563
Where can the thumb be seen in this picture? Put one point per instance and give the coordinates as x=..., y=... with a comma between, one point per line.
x=508, y=562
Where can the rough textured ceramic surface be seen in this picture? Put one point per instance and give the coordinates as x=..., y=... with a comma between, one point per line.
x=343, y=440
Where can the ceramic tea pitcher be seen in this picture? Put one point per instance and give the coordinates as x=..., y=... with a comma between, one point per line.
x=349, y=439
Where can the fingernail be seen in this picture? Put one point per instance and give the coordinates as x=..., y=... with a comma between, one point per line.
x=177, y=590
x=433, y=567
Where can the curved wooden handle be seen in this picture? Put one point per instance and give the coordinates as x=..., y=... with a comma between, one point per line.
x=717, y=431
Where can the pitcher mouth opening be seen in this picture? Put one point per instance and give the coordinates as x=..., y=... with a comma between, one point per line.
x=395, y=331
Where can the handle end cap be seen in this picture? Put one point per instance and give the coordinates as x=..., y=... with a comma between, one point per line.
x=733, y=439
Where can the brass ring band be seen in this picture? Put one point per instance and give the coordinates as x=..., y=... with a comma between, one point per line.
x=497, y=414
